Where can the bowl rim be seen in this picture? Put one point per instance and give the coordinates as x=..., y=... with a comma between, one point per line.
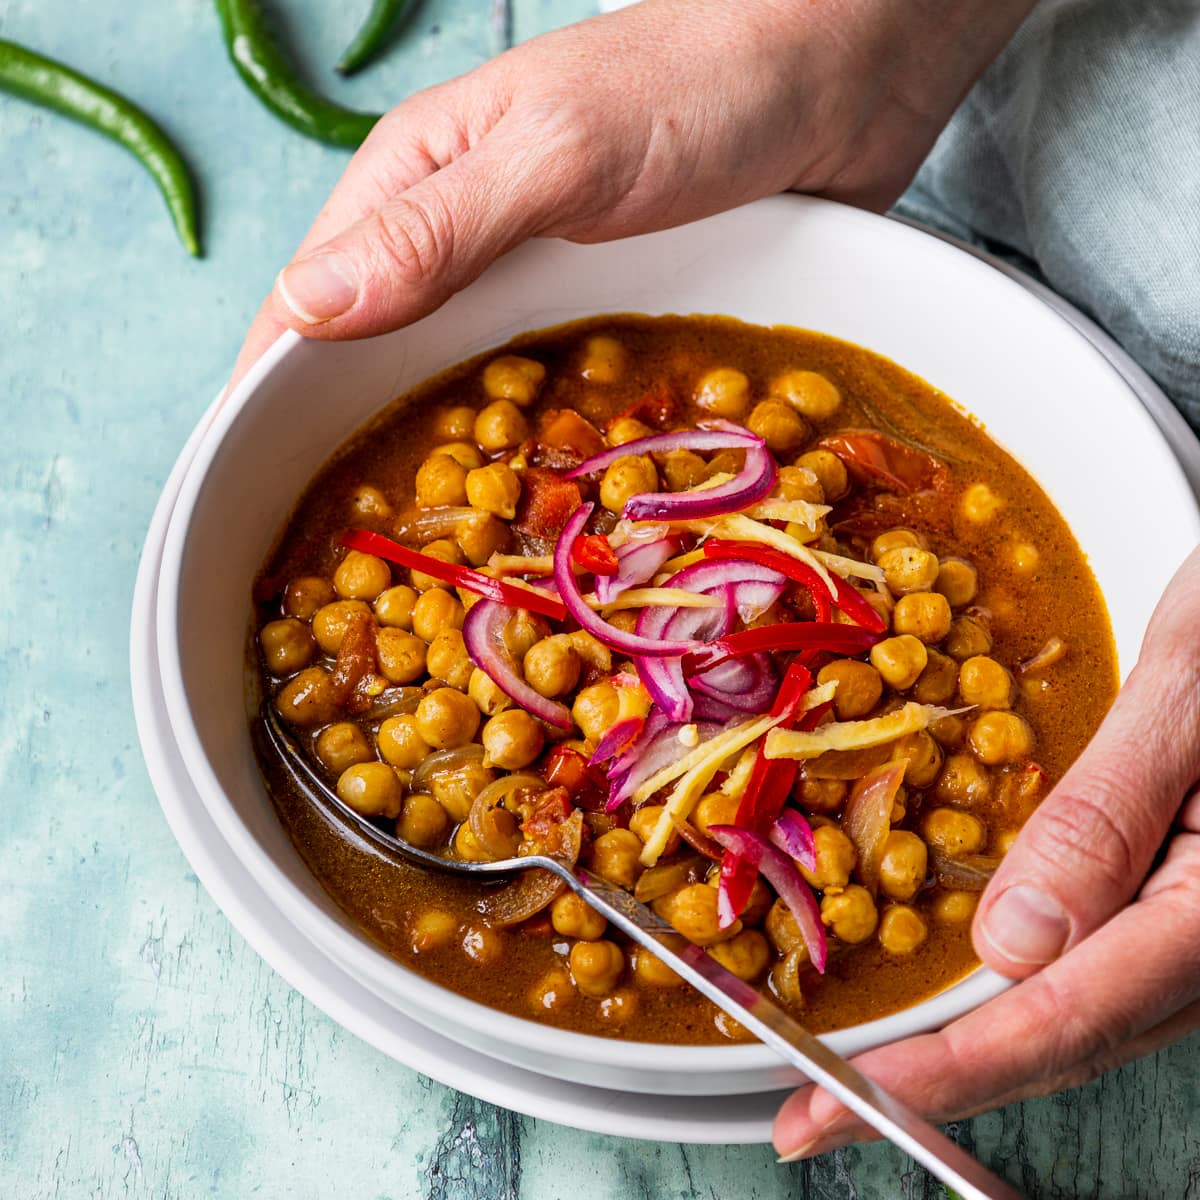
x=388, y=976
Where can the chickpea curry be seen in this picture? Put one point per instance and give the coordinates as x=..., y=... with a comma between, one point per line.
x=750, y=621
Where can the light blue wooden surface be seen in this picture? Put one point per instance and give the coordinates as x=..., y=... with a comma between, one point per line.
x=145, y=1051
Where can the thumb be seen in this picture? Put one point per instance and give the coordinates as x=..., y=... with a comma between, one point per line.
x=1087, y=849
x=415, y=250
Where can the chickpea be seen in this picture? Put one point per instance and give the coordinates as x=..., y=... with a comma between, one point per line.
x=830, y=472
x=467, y=847
x=511, y=377
x=952, y=832
x=431, y=930
x=494, y=489
x=909, y=569
x=625, y=620
x=307, y=699
x=400, y=655
x=963, y=781
x=400, y=744
x=980, y=503
x=835, y=856
x=1000, y=737
x=808, y=392
x=682, y=469
x=785, y=980
x=466, y=454
x=483, y=945
x=949, y=732
x=650, y=971
x=903, y=866
x=629, y=476
x=423, y=821
x=342, y=745
x=489, y=699
x=573, y=917
x=596, y=966
x=1005, y=841
x=715, y=808
x=436, y=610
x=925, y=615
x=455, y=424
x=603, y=359
x=447, y=718
x=630, y=429
x=894, y=539
x=955, y=908
x=552, y=666
x=984, y=682
x=900, y=660
x=455, y=789
x=823, y=795
x=445, y=551
x=693, y=912
x=330, y=621
x=783, y=931
x=303, y=597
x=512, y=740
x=642, y=823
x=619, y=1008
x=938, y=682
x=924, y=758
x=957, y=580
x=745, y=955
x=615, y=855
x=799, y=483
x=521, y=633
x=500, y=426
x=1024, y=558
x=967, y=638
x=850, y=914
x=441, y=481
x=448, y=660
x=553, y=992
x=287, y=645
x=370, y=502
x=480, y=536
x=779, y=425
x=760, y=900
x=901, y=929
x=723, y=392
x=394, y=607
x=371, y=788
x=859, y=686
x=595, y=709
x=361, y=576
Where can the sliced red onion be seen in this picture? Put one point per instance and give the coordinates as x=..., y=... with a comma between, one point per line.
x=483, y=633
x=720, y=435
x=643, y=761
x=637, y=563
x=748, y=684
x=568, y=590
x=715, y=708
x=619, y=737
x=782, y=874
x=794, y=836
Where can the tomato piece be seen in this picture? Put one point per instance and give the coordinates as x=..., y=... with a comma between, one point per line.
x=564, y=429
x=547, y=502
x=658, y=409
x=881, y=460
x=593, y=553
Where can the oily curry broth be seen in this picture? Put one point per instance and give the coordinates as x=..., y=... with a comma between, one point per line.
x=1033, y=583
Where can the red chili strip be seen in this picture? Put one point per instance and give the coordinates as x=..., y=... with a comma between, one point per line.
x=593, y=553
x=852, y=602
x=513, y=595
x=797, y=635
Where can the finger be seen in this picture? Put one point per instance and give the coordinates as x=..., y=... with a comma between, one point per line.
x=403, y=260
x=1125, y=991
x=1088, y=847
x=410, y=143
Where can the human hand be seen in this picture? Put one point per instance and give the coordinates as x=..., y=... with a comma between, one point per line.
x=657, y=115
x=1105, y=980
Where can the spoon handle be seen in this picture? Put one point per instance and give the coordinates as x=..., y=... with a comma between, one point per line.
x=767, y=1021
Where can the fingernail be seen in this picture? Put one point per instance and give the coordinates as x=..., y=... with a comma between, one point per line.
x=320, y=287
x=1026, y=926
x=837, y=1132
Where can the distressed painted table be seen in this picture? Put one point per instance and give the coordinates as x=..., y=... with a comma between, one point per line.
x=145, y=1051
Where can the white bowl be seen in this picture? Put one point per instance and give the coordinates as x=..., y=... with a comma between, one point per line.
x=1041, y=388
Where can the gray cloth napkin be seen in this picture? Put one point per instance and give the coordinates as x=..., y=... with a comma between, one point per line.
x=1077, y=156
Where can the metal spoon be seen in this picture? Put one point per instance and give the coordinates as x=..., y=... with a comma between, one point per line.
x=765, y=1019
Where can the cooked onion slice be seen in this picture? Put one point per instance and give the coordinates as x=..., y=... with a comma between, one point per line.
x=794, y=836
x=781, y=873
x=483, y=633
x=867, y=819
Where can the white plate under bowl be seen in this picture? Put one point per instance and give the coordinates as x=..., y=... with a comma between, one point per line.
x=1041, y=388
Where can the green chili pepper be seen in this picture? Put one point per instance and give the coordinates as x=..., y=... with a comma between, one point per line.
x=370, y=38
x=271, y=78
x=51, y=84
